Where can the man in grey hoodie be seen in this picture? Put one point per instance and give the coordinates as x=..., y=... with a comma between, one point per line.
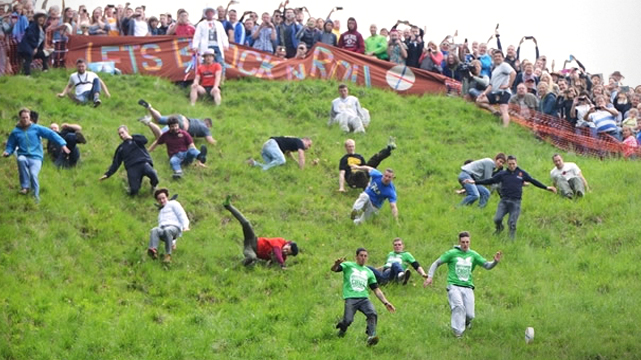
x=479, y=170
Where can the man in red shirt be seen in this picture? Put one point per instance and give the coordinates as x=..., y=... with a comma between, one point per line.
x=180, y=148
x=271, y=249
x=207, y=80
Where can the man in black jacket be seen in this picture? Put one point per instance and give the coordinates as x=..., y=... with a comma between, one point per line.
x=32, y=44
x=511, y=180
x=137, y=161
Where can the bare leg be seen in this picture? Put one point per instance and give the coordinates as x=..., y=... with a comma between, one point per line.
x=155, y=129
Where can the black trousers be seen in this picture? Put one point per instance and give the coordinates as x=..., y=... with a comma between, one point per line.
x=360, y=179
x=137, y=172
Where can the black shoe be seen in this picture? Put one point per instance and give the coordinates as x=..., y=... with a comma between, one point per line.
x=406, y=277
x=499, y=229
x=372, y=340
x=143, y=103
x=202, y=157
x=80, y=139
x=96, y=102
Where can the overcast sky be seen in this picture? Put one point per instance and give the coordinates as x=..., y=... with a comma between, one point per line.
x=604, y=35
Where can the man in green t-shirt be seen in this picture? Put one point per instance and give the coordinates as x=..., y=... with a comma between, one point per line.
x=396, y=267
x=461, y=261
x=356, y=278
x=376, y=45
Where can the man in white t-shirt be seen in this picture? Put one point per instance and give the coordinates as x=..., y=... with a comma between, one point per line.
x=138, y=25
x=567, y=177
x=498, y=92
x=348, y=113
x=87, y=85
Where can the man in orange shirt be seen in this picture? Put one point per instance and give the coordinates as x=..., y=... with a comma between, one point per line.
x=207, y=80
x=271, y=249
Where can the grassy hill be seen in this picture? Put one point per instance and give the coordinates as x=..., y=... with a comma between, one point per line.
x=76, y=282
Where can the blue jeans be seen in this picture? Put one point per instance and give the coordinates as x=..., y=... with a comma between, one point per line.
x=183, y=157
x=88, y=95
x=507, y=206
x=29, y=168
x=473, y=191
x=272, y=155
x=388, y=274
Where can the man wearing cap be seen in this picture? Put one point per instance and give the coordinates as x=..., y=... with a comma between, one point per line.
x=270, y=249
x=195, y=127
x=137, y=160
x=210, y=34
x=180, y=148
x=207, y=80
x=32, y=44
x=26, y=139
x=172, y=221
x=87, y=85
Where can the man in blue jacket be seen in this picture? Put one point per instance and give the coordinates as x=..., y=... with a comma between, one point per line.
x=511, y=180
x=26, y=140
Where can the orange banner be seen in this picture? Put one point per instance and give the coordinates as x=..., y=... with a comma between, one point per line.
x=171, y=57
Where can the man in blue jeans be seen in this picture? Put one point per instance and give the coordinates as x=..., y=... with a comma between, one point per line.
x=275, y=148
x=26, y=138
x=479, y=170
x=180, y=148
x=396, y=267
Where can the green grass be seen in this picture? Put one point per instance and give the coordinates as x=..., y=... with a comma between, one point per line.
x=76, y=282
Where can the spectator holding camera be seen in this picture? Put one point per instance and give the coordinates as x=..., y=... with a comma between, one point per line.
x=473, y=82
x=603, y=116
x=415, y=47
x=396, y=49
x=286, y=33
x=265, y=36
x=498, y=92
x=182, y=27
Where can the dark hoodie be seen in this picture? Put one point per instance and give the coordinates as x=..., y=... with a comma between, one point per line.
x=327, y=37
x=351, y=39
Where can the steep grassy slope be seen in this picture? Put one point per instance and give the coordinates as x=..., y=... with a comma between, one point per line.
x=76, y=283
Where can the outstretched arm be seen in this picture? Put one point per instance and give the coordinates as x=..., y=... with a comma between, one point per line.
x=381, y=297
x=430, y=273
x=490, y=265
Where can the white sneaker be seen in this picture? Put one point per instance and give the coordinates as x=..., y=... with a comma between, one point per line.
x=145, y=119
x=173, y=245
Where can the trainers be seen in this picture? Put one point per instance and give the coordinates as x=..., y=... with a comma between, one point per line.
x=372, y=340
x=202, y=157
x=153, y=253
x=499, y=229
x=391, y=143
x=80, y=139
x=144, y=104
x=173, y=245
x=166, y=259
x=96, y=101
x=341, y=333
x=24, y=191
x=177, y=175
x=406, y=276
x=227, y=201
x=354, y=214
x=145, y=119
x=251, y=162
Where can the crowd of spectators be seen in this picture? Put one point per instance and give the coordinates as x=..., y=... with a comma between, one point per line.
x=571, y=94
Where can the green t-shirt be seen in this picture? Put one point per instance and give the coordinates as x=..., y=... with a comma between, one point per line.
x=404, y=258
x=460, y=266
x=378, y=45
x=356, y=279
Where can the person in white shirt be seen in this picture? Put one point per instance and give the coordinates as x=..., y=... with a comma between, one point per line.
x=210, y=34
x=172, y=221
x=348, y=113
x=87, y=85
x=568, y=178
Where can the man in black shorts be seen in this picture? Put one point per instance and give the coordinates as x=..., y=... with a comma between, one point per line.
x=275, y=148
x=195, y=127
x=359, y=179
x=498, y=92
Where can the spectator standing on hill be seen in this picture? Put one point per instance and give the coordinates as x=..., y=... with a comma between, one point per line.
x=211, y=34
x=207, y=79
x=356, y=278
x=308, y=34
x=359, y=179
x=182, y=27
x=396, y=49
x=352, y=40
x=138, y=23
x=568, y=178
x=370, y=201
x=396, y=267
x=72, y=135
x=32, y=43
x=265, y=36
x=376, y=45
x=498, y=92
x=172, y=221
x=180, y=148
x=486, y=60
x=137, y=161
x=275, y=149
x=415, y=47
x=26, y=140
x=86, y=84
x=547, y=99
x=328, y=37
x=286, y=34
x=479, y=170
x=348, y=113
x=603, y=116
x=269, y=249
x=461, y=261
x=195, y=127
x=511, y=180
